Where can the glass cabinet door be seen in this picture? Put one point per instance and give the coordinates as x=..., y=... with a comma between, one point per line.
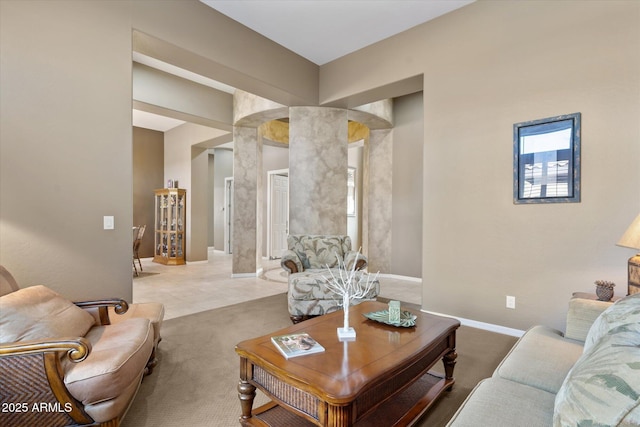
x=170, y=226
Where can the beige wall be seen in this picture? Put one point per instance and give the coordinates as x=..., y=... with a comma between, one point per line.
x=65, y=143
x=195, y=37
x=487, y=66
x=406, y=228
x=148, y=175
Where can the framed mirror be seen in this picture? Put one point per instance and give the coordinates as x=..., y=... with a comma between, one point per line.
x=546, y=160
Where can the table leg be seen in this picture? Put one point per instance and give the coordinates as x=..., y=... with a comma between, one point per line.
x=246, y=394
x=449, y=361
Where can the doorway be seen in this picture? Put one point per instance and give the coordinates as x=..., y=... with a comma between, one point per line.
x=278, y=213
x=228, y=215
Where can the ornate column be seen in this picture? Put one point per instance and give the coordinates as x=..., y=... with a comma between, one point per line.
x=379, y=207
x=249, y=112
x=247, y=176
x=317, y=170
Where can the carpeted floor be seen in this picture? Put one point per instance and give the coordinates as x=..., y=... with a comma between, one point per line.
x=195, y=382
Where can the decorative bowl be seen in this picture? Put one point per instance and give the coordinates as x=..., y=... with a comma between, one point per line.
x=407, y=319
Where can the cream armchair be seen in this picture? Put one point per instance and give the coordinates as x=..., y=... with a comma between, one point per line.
x=306, y=261
x=65, y=363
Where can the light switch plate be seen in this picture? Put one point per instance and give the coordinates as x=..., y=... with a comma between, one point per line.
x=108, y=223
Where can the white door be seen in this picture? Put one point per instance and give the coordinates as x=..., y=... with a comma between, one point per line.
x=228, y=215
x=279, y=224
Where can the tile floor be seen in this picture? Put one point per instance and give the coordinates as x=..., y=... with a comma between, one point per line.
x=201, y=286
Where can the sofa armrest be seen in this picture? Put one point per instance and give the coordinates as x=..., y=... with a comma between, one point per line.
x=33, y=376
x=352, y=257
x=291, y=262
x=102, y=308
x=581, y=315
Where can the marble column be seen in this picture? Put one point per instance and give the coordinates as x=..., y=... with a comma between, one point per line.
x=247, y=175
x=379, y=191
x=318, y=170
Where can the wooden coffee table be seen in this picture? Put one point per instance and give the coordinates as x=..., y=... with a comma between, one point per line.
x=381, y=378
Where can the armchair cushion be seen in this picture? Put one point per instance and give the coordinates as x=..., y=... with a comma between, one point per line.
x=37, y=312
x=316, y=251
x=118, y=352
x=311, y=251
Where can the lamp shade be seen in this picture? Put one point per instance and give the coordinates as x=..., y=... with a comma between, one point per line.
x=631, y=237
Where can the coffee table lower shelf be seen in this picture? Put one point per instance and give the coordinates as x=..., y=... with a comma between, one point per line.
x=400, y=410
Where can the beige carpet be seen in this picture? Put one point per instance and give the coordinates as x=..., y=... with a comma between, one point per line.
x=195, y=381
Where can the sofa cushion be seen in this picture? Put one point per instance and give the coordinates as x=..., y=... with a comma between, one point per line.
x=37, y=313
x=603, y=388
x=312, y=284
x=541, y=358
x=496, y=402
x=119, y=354
x=624, y=311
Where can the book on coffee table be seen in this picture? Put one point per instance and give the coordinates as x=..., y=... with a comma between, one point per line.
x=293, y=345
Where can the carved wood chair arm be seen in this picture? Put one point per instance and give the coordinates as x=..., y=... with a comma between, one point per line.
x=33, y=374
x=77, y=349
x=120, y=307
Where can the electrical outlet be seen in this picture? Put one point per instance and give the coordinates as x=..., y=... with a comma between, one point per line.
x=511, y=302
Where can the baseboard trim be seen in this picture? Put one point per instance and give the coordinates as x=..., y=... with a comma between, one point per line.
x=245, y=275
x=399, y=277
x=482, y=325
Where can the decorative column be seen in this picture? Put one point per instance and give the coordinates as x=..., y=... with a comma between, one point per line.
x=247, y=177
x=318, y=170
x=379, y=207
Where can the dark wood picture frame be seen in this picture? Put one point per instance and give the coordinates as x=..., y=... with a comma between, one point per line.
x=546, y=160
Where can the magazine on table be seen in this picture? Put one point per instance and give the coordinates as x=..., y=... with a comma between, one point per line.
x=293, y=345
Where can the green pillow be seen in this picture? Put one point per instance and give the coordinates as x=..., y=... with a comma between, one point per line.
x=625, y=310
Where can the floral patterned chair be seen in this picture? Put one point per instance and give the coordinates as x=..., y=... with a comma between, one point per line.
x=308, y=260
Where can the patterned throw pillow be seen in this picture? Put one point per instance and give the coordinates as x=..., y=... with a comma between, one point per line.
x=323, y=251
x=625, y=310
x=603, y=387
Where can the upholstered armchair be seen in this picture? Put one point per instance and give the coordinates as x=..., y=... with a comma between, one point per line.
x=307, y=261
x=319, y=251
x=65, y=363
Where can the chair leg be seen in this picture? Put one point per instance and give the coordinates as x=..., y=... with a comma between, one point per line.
x=139, y=262
x=297, y=318
x=135, y=270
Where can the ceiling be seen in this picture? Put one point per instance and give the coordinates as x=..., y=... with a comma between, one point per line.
x=343, y=26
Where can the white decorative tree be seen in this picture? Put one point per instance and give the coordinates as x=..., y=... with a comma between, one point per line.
x=349, y=285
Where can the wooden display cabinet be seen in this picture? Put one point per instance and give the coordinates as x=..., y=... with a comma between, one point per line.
x=170, y=226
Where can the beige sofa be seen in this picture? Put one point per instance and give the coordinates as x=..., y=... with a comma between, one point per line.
x=65, y=363
x=589, y=376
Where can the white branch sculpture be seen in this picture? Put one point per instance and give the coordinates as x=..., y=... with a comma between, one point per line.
x=349, y=286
